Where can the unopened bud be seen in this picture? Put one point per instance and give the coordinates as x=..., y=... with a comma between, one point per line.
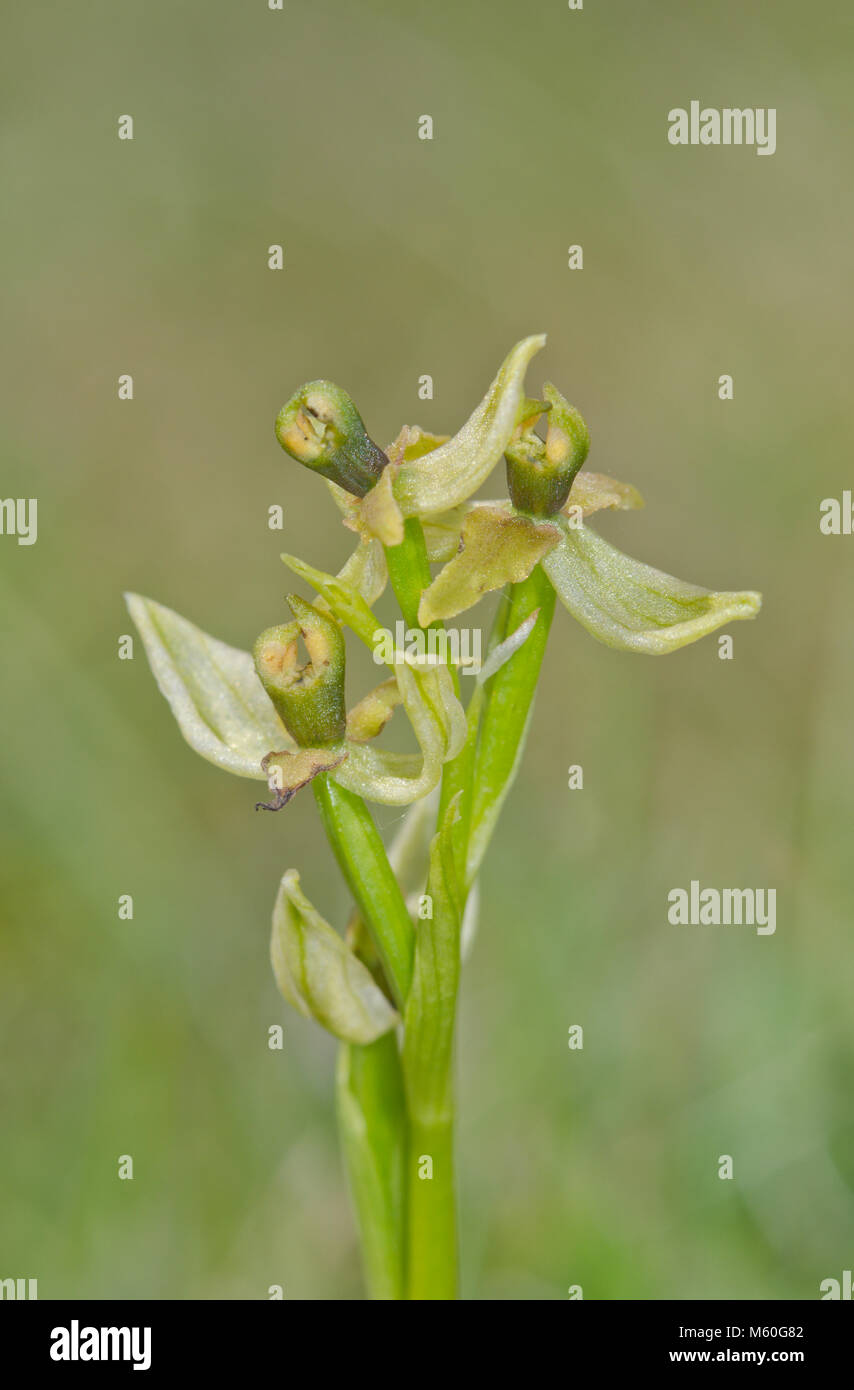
x=321, y=428
x=308, y=697
x=540, y=473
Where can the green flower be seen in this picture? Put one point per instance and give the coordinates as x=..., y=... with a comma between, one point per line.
x=621, y=601
x=387, y=988
x=540, y=472
x=321, y=428
x=284, y=726
x=308, y=697
x=419, y=475
x=287, y=722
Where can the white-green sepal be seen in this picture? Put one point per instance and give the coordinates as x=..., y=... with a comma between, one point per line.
x=630, y=605
x=213, y=691
x=446, y=476
x=439, y=723
x=318, y=974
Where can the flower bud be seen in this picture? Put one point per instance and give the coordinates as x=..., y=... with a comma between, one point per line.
x=540, y=473
x=321, y=428
x=309, y=698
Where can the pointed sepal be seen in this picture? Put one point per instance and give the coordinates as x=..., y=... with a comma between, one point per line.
x=212, y=689
x=630, y=605
x=447, y=475
x=318, y=974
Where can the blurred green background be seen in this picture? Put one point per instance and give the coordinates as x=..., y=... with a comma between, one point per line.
x=405, y=257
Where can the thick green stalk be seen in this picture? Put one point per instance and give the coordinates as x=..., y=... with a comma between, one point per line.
x=432, y=1234
x=428, y=1048
x=432, y=1253
x=362, y=859
x=374, y=1138
x=428, y=1067
x=371, y=1101
x=504, y=728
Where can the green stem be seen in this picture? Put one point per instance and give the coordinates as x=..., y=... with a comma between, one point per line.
x=373, y=1129
x=428, y=1068
x=504, y=728
x=428, y=1049
x=362, y=859
x=409, y=570
x=370, y=1093
x=432, y=1234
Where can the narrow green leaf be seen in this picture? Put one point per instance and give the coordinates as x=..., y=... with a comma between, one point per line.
x=372, y=1124
x=361, y=856
x=344, y=598
x=213, y=691
x=470, y=922
x=458, y=782
x=510, y=696
x=409, y=569
x=319, y=975
x=428, y=1057
x=630, y=605
x=501, y=654
x=431, y=1004
x=449, y=474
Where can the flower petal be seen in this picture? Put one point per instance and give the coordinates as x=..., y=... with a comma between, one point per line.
x=427, y=693
x=366, y=571
x=442, y=532
x=317, y=973
x=220, y=704
x=287, y=773
x=632, y=606
x=414, y=443
x=498, y=548
x=593, y=492
x=379, y=517
x=347, y=504
x=439, y=723
x=449, y=474
x=369, y=717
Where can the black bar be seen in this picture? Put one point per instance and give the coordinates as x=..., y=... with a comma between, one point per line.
x=231, y=1338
